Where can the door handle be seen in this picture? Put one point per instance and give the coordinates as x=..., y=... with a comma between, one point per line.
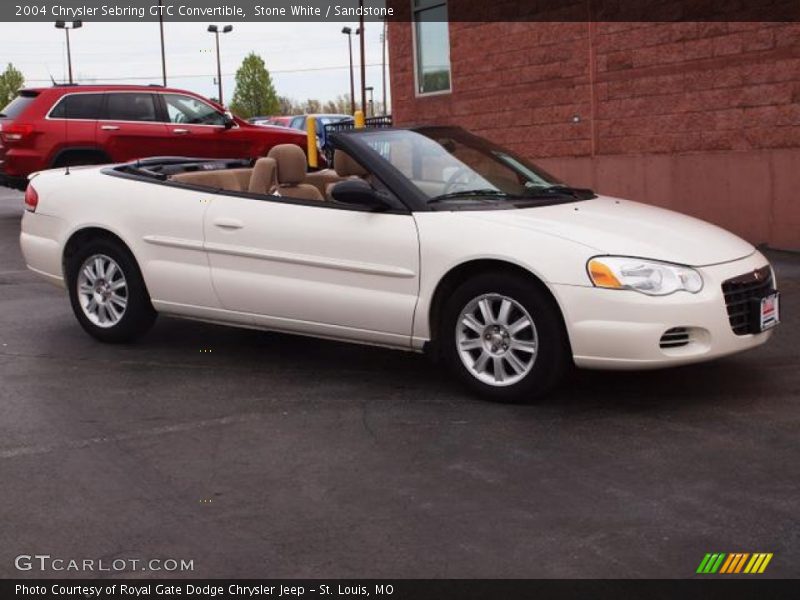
x=180, y=131
x=109, y=127
x=225, y=223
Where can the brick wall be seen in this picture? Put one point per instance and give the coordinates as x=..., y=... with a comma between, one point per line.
x=591, y=97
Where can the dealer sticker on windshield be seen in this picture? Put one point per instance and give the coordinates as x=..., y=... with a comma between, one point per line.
x=770, y=311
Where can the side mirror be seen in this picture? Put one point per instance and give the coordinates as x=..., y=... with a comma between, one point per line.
x=229, y=120
x=358, y=192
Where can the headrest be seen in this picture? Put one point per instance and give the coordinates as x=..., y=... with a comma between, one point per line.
x=291, y=163
x=346, y=166
x=264, y=178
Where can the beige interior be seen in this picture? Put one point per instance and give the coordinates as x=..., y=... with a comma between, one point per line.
x=291, y=162
x=282, y=171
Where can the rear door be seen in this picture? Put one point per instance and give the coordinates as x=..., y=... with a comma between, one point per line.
x=73, y=122
x=131, y=127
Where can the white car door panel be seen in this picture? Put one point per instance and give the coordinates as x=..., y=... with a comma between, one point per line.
x=315, y=269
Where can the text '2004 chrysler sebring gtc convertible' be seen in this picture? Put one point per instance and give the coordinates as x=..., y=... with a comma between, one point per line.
x=419, y=239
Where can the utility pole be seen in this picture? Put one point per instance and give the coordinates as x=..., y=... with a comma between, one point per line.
x=215, y=30
x=383, y=67
x=363, y=61
x=163, y=53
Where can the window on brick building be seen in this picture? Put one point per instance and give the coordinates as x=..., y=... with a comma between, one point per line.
x=431, y=46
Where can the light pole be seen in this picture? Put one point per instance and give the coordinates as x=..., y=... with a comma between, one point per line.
x=215, y=30
x=349, y=33
x=363, y=63
x=63, y=25
x=383, y=67
x=163, y=54
x=371, y=111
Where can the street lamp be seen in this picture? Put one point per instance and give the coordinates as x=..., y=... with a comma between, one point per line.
x=371, y=90
x=349, y=33
x=215, y=30
x=63, y=25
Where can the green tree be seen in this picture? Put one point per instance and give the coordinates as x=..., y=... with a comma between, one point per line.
x=255, y=94
x=10, y=81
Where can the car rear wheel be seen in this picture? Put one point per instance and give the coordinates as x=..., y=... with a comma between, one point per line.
x=107, y=292
x=503, y=336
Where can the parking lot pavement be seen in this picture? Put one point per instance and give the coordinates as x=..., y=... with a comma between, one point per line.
x=263, y=455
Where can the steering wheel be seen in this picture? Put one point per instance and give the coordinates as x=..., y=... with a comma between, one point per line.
x=453, y=180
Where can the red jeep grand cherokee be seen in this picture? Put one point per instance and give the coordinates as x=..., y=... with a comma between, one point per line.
x=43, y=128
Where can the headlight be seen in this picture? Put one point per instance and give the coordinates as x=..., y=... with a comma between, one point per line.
x=646, y=276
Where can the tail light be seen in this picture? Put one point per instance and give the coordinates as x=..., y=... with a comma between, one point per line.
x=15, y=132
x=31, y=198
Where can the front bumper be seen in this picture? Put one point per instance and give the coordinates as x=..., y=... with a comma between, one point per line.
x=622, y=329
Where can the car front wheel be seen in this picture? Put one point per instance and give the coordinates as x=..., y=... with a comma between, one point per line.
x=504, y=337
x=107, y=292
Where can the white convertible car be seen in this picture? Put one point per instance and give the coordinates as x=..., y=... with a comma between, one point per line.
x=418, y=239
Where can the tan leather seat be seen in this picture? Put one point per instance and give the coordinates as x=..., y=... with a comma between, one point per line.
x=291, y=163
x=264, y=179
x=322, y=179
x=217, y=180
x=346, y=168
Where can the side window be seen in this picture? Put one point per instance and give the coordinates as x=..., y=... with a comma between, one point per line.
x=299, y=123
x=131, y=107
x=431, y=46
x=78, y=106
x=191, y=111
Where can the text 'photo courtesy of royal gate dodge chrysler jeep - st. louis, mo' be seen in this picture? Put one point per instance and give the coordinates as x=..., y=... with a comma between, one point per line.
x=424, y=239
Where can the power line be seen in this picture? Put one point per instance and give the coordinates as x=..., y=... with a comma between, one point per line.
x=150, y=77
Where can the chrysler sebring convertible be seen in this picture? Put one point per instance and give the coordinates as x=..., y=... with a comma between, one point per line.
x=426, y=239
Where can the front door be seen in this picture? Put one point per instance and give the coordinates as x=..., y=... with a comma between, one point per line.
x=315, y=268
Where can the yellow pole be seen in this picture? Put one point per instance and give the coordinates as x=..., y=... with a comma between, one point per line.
x=311, y=127
x=359, y=117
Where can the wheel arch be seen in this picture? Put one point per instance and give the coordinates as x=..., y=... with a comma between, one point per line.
x=84, y=150
x=462, y=272
x=83, y=235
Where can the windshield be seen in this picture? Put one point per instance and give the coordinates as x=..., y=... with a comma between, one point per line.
x=447, y=163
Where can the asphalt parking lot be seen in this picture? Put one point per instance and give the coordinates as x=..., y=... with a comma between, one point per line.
x=263, y=455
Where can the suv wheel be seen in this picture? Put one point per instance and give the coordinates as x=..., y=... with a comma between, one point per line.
x=107, y=292
x=504, y=337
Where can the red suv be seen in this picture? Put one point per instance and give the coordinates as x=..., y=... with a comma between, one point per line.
x=43, y=128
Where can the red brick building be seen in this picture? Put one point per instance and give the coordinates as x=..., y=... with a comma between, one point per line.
x=701, y=117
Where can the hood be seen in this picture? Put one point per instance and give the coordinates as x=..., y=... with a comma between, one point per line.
x=615, y=226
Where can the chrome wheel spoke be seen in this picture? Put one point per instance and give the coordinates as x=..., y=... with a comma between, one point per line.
x=496, y=340
x=480, y=364
x=523, y=346
x=102, y=290
x=516, y=364
x=486, y=311
x=471, y=322
x=499, y=369
x=519, y=325
x=471, y=344
x=505, y=311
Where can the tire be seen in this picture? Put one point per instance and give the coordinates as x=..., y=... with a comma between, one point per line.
x=500, y=357
x=107, y=310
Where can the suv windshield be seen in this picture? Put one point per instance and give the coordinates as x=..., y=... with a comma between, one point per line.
x=447, y=163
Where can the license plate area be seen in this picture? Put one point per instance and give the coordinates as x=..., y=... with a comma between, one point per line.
x=765, y=312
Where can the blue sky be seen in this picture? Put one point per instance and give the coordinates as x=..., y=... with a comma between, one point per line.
x=307, y=60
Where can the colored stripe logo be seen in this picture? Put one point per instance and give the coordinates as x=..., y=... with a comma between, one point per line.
x=734, y=563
